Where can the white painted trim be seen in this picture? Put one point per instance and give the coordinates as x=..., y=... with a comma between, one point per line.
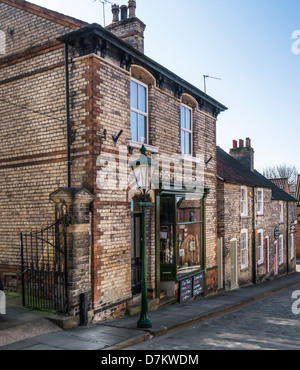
x=260, y=213
x=245, y=231
x=246, y=190
x=261, y=247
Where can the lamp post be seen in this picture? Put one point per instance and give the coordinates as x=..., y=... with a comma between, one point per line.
x=141, y=169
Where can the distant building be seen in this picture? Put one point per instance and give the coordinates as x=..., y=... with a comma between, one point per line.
x=255, y=222
x=282, y=183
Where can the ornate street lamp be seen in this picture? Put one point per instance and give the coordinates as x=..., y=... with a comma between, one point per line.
x=141, y=169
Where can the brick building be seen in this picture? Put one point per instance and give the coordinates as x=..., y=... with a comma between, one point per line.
x=256, y=222
x=297, y=196
x=71, y=128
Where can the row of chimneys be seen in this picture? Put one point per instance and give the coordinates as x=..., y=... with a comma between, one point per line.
x=124, y=11
x=243, y=153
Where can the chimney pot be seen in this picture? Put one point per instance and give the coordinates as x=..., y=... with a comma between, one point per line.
x=234, y=144
x=131, y=7
x=123, y=12
x=248, y=143
x=115, y=10
x=241, y=143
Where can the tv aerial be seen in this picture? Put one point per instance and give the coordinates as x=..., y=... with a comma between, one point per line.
x=104, y=2
x=207, y=76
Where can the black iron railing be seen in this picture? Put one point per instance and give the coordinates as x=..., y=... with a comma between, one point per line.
x=44, y=267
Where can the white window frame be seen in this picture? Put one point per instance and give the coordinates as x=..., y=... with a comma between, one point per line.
x=281, y=212
x=280, y=250
x=139, y=112
x=260, y=212
x=292, y=246
x=244, y=250
x=260, y=247
x=186, y=130
x=244, y=203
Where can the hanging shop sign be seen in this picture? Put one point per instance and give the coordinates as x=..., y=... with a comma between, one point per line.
x=276, y=233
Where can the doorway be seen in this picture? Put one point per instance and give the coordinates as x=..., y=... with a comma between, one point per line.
x=233, y=262
x=136, y=253
x=276, y=259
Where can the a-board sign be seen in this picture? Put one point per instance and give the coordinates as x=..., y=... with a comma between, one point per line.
x=197, y=284
x=186, y=290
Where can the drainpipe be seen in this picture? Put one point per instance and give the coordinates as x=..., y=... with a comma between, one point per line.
x=253, y=240
x=68, y=115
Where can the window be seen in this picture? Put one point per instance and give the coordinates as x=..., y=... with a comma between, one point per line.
x=292, y=212
x=244, y=249
x=292, y=247
x=280, y=249
x=181, y=235
x=260, y=201
x=260, y=246
x=186, y=130
x=244, y=201
x=139, y=112
x=281, y=212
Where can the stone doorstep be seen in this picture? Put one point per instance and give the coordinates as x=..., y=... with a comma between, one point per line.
x=66, y=322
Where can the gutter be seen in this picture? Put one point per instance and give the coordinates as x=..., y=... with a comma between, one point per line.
x=97, y=30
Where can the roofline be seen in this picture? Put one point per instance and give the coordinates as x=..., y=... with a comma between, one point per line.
x=100, y=31
x=51, y=15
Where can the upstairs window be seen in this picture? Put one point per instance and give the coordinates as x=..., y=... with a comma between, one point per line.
x=186, y=130
x=244, y=202
x=139, y=111
x=281, y=212
x=260, y=201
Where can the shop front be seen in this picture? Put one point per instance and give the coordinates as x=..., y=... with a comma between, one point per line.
x=180, y=243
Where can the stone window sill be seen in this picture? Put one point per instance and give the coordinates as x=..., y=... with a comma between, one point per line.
x=149, y=148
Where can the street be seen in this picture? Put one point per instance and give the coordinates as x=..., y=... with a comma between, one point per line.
x=268, y=324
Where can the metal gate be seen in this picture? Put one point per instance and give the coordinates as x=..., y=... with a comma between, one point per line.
x=44, y=268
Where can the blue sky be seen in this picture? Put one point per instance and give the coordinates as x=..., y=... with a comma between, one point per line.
x=246, y=43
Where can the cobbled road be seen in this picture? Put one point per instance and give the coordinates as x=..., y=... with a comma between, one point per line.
x=268, y=324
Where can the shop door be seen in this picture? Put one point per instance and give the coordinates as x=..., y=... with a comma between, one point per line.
x=136, y=255
x=275, y=259
x=233, y=260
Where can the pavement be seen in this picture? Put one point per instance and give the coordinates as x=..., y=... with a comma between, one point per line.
x=122, y=333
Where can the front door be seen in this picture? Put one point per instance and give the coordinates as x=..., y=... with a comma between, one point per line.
x=275, y=258
x=267, y=254
x=233, y=261
x=136, y=255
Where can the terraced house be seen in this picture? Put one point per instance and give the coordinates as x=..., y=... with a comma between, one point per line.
x=78, y=101
x=256, y=222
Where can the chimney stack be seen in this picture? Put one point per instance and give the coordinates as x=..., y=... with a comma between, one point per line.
x=244, y=154
x=124, y=12
x=115, y=11
x=131, y=7
x=129, y=28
